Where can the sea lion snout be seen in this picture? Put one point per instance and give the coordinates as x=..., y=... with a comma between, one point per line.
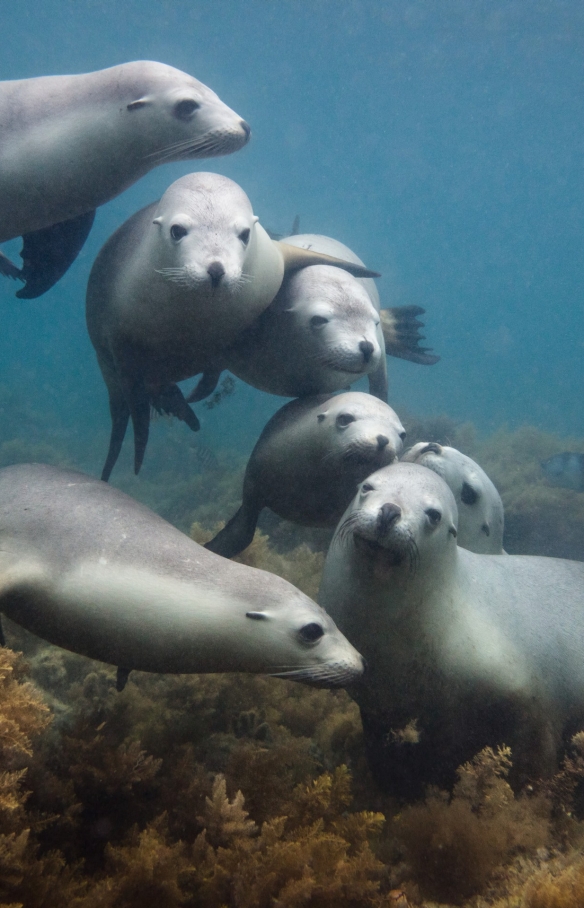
x=216, y=272
x=367, y=349
x=389, y=514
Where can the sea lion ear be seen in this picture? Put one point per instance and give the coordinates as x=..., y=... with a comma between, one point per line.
x=321, y=416
x=157, y=221
x=255, y=219
x=134, y=105
x=452, y=530
x=296, y=258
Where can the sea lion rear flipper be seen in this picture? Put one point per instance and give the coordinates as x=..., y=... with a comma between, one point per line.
x=172, y=401
x=120, y=414
x=401, y=331
x=295, y=258
x=237, y=534
x=139, y=403
x=48, y=253
x=205, y=386
x=9, y=269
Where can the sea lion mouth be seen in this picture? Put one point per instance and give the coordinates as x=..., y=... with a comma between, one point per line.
x=332, y=674
x=209, y=145
x=393, y=557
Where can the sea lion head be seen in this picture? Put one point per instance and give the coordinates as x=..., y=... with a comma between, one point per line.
x=295, y=639
x=480, y=509
x=402, y=516
x=360, y=430
x=175, y=115
x=338, y=323
x=206, y=229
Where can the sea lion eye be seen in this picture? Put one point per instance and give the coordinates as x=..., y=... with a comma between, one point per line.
x=468, y=495
x=310, y=633
x=434, y=516
x=317, y=321
x=402, y=435
x=345, y=419
x=366, y=487
x=245, y=235
x=177, y=231
x=185, y=109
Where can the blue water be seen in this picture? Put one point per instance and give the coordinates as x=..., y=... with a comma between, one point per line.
x=441, y=141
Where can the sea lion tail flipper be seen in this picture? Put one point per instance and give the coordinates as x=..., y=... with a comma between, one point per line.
x=172, y=401
x=205, y=386
x=237, y=534
x=401, y=331
x=378, y=381
x=296, y=258
x=48, y=253
x=9, y=269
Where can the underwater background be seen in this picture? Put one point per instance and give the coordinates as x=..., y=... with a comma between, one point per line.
x=443, y=142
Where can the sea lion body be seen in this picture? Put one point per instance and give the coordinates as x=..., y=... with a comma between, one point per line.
x=172, y=288
x=72, y=143
x=320, y=334
x=466, y=650
x=86, y=567
x=481, y=516
x=309, y=460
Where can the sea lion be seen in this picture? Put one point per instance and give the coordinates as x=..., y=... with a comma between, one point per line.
x=308, y=461
x=321, y=333
x=86, y=567
x=71, y=143
x=172, y=288
x=462, y=650
x=481, y=516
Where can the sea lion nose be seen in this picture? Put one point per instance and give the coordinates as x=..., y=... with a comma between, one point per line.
x=366, y=348
x=382, y=442
x=246, y=128
x=215, y=272
x=388, y=515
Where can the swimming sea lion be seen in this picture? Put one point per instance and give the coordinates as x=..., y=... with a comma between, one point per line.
x=71, y=143
x=481, y=516
x=464, y=650
x=321, y=333
x=172, y=288
x=88, y=568
x=309, y=460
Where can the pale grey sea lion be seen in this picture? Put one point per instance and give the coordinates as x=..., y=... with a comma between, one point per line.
x=464, y=650
x=481, y=516
x=86, y=567
x=172, y=288
x=321, y=333
x=71, y=143
x=308, y=461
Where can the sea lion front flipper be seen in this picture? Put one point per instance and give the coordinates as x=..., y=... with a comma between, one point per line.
x=9, y=269
x=378, y=381
x=238, y=533
x=401, y=331
x=171, y=400
x=205, y=386
x=122, y=676
x=48, y=253
x=295, y=258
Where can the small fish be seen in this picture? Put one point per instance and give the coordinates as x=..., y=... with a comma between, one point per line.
x=204, y=456
x=565, y=470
